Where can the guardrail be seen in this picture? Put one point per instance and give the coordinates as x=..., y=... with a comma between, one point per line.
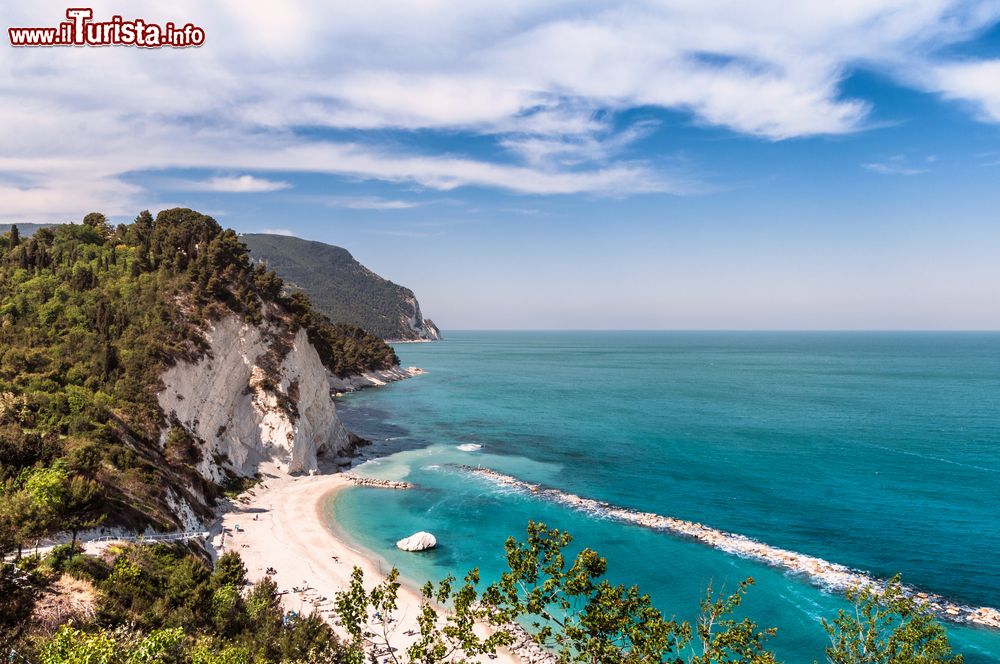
x=167, y=537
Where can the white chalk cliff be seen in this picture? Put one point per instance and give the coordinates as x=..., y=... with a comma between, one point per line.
x=422, y=328
x=247, y=408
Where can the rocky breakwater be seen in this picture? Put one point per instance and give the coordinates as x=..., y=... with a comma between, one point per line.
x=525, y=647
x=376, y=482
x=822, y=572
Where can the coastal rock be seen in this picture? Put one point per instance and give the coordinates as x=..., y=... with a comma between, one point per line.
x=417, y=542
x=829, y=575
x=377, y=482
x=246, y=403
x=371, y=379
x=422, y=328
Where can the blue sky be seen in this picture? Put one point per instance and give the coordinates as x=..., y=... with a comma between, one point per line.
x=684, y=164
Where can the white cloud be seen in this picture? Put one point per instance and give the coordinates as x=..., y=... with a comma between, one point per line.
x=241, y=184
x=408, y=233
x=899, y=165
x=277, y=231
x=544, y=79
x=368, y=203
x=892, y=169
x=976, y=83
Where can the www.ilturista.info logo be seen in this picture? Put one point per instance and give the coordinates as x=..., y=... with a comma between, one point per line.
x=81, y=30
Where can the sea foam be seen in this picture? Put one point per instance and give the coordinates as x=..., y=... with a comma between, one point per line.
x=828, y=575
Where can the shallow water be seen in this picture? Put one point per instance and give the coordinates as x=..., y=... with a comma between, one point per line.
x=880, y=451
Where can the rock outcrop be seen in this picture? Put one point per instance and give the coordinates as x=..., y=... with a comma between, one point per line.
x=417, y=542
x=375, y=378
x=423, y=328
x=258, y=394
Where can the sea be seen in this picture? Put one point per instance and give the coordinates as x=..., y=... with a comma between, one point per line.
x=879, y=451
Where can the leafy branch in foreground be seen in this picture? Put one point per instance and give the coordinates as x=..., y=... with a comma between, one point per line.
x=887, y=627
x=569, y=608
x=575, y=613
x=724, y=639
x=369, y=617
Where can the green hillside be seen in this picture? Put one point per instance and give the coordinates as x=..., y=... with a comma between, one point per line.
x=341, y=287
x=26, y=230
x=90, y=318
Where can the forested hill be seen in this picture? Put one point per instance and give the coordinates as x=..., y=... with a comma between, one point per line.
x=341, y=287
x=90, y=318
x=26, y=230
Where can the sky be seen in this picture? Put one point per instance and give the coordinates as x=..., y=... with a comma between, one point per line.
x=688, y=164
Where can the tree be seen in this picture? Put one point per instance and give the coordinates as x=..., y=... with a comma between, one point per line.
x=45, y=487
x=99, y=223
x=229, y=571
x=71, y=646
x=20, y=519
x=724, y=639
x=886, y=626
x=15, y=236
x=573, y=610
x=81, y=506
x=443, y=636
x=18, y=592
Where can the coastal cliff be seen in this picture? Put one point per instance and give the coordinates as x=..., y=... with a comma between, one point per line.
x=246, y=406
x=147, y=366
x=422, y=328
x=342, y=288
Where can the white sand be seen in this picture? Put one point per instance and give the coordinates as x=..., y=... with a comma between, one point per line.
x=290, y=535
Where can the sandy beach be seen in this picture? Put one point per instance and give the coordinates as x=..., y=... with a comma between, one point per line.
x=280, y=524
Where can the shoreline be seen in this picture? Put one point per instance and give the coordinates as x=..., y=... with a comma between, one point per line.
x=281, y=523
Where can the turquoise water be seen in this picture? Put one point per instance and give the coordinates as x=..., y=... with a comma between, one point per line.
x=880, y=451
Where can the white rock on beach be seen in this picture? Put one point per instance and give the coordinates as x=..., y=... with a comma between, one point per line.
x=417, y=542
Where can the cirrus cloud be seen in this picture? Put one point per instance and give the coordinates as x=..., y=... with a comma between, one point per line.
x=240, y=184
x=543, y=82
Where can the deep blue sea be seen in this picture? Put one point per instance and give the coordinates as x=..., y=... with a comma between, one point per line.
x=880, y=451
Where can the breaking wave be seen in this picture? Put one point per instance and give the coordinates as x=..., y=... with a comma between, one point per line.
x=819, y=571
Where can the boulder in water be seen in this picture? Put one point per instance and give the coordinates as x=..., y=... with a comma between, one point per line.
x=417, y=542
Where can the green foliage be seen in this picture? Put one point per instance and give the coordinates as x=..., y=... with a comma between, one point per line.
x=567, y=606
x=369, y=618
x=176, y=608
x=226, y=654
x=47, y=486
x=90, y=318
x=572, y=610
x=230, y=571
x=341, y=288
x=18, y=591
x=74, y=646
x=887, y=627
x=724, y=639
x=345, y=349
